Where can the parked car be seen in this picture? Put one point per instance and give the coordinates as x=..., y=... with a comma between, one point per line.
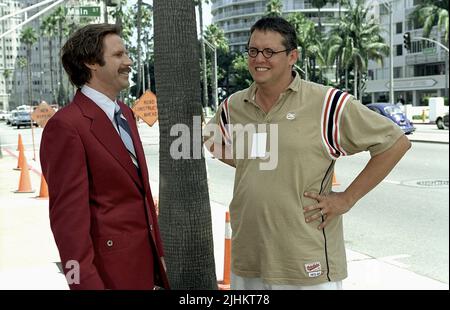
x=442, y=121
x=11, y=120
x=4, y=115
x=395, y=114
x=23, y=119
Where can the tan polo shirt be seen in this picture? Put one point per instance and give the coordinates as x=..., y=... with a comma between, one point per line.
x=309, y=127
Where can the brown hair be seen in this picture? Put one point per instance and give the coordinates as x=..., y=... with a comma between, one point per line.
x=85, y=46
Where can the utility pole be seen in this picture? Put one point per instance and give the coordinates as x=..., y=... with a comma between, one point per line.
x=389, y=7
x=391, y=57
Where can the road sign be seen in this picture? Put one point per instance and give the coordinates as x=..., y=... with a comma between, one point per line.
x=90, y=11
x=146, y=108
x=429, y=51
x=42, y=114
x=85, y=11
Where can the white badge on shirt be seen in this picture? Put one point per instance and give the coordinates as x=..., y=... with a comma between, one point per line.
x=259, y=142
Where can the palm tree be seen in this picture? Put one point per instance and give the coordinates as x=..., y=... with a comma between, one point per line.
x=22, y=63
x=185, y=213
x=28, y=37
x=139, y=33
x=430, y=13
x=242, y=78
x=357, y=39
x=60, y=19
x=118, y=12
x=341, y=3
x=147, y=18
x=309, y=42
x=319, y=4
x=7, y=73
x=274, y=8
x=49, y=30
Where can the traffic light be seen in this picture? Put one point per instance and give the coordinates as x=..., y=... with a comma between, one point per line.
x=407, y=40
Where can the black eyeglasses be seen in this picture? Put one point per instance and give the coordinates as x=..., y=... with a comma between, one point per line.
x=267, y=52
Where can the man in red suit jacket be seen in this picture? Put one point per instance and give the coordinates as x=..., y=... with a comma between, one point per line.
x=101, y=207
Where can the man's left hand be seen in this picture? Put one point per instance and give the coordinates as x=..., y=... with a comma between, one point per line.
x=328, y=207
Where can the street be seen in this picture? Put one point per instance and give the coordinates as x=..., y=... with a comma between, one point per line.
x=404, y=221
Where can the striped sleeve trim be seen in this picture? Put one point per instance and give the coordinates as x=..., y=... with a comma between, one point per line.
x=333, y=106
x=225, y=121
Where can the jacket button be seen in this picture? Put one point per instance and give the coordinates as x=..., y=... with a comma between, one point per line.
x=109, y=243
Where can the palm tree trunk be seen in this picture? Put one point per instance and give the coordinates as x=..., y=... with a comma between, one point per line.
x=336, y=75
x=139, y=30
x=30, y=95
x=52, y=84
x=306, y=68
x=61, y=94
x=147, y=62
x=185, y=213
x=355, y=80
x=346, y=78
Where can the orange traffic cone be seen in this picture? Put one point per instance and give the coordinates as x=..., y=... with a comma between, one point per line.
x=43, y=191
x=19, y=142
x=24, y=181
x=335, y=182
x=20, y=158
x=225, y=284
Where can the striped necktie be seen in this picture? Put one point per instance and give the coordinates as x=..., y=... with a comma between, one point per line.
x=125, y=133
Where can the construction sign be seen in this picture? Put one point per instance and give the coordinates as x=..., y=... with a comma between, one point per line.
x=146, y=108
x=42, y=113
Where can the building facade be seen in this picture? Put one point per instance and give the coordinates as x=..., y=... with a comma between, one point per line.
x=14, y=83
x=235, y=17
x=9, y=50
x=418, y=73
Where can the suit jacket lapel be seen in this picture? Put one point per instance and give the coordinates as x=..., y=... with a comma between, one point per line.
x=103, y=130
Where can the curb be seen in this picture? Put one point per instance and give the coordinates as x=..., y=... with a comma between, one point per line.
x=429, y=141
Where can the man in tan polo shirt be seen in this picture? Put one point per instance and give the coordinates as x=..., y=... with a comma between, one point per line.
x=283, y=135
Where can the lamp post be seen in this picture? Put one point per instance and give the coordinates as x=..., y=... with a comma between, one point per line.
x=388, y=6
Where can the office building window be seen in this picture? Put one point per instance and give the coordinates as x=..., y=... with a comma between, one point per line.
x=399, y=50
x=398, y=72
x=399, y=27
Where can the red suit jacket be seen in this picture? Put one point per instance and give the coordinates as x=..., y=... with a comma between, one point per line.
x=101, y=208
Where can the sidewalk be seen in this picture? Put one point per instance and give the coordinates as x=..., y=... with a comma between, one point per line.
x=429, y=133
x=29, y=254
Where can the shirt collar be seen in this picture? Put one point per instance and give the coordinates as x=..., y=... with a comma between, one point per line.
x=102, y=101
x=294, y=86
